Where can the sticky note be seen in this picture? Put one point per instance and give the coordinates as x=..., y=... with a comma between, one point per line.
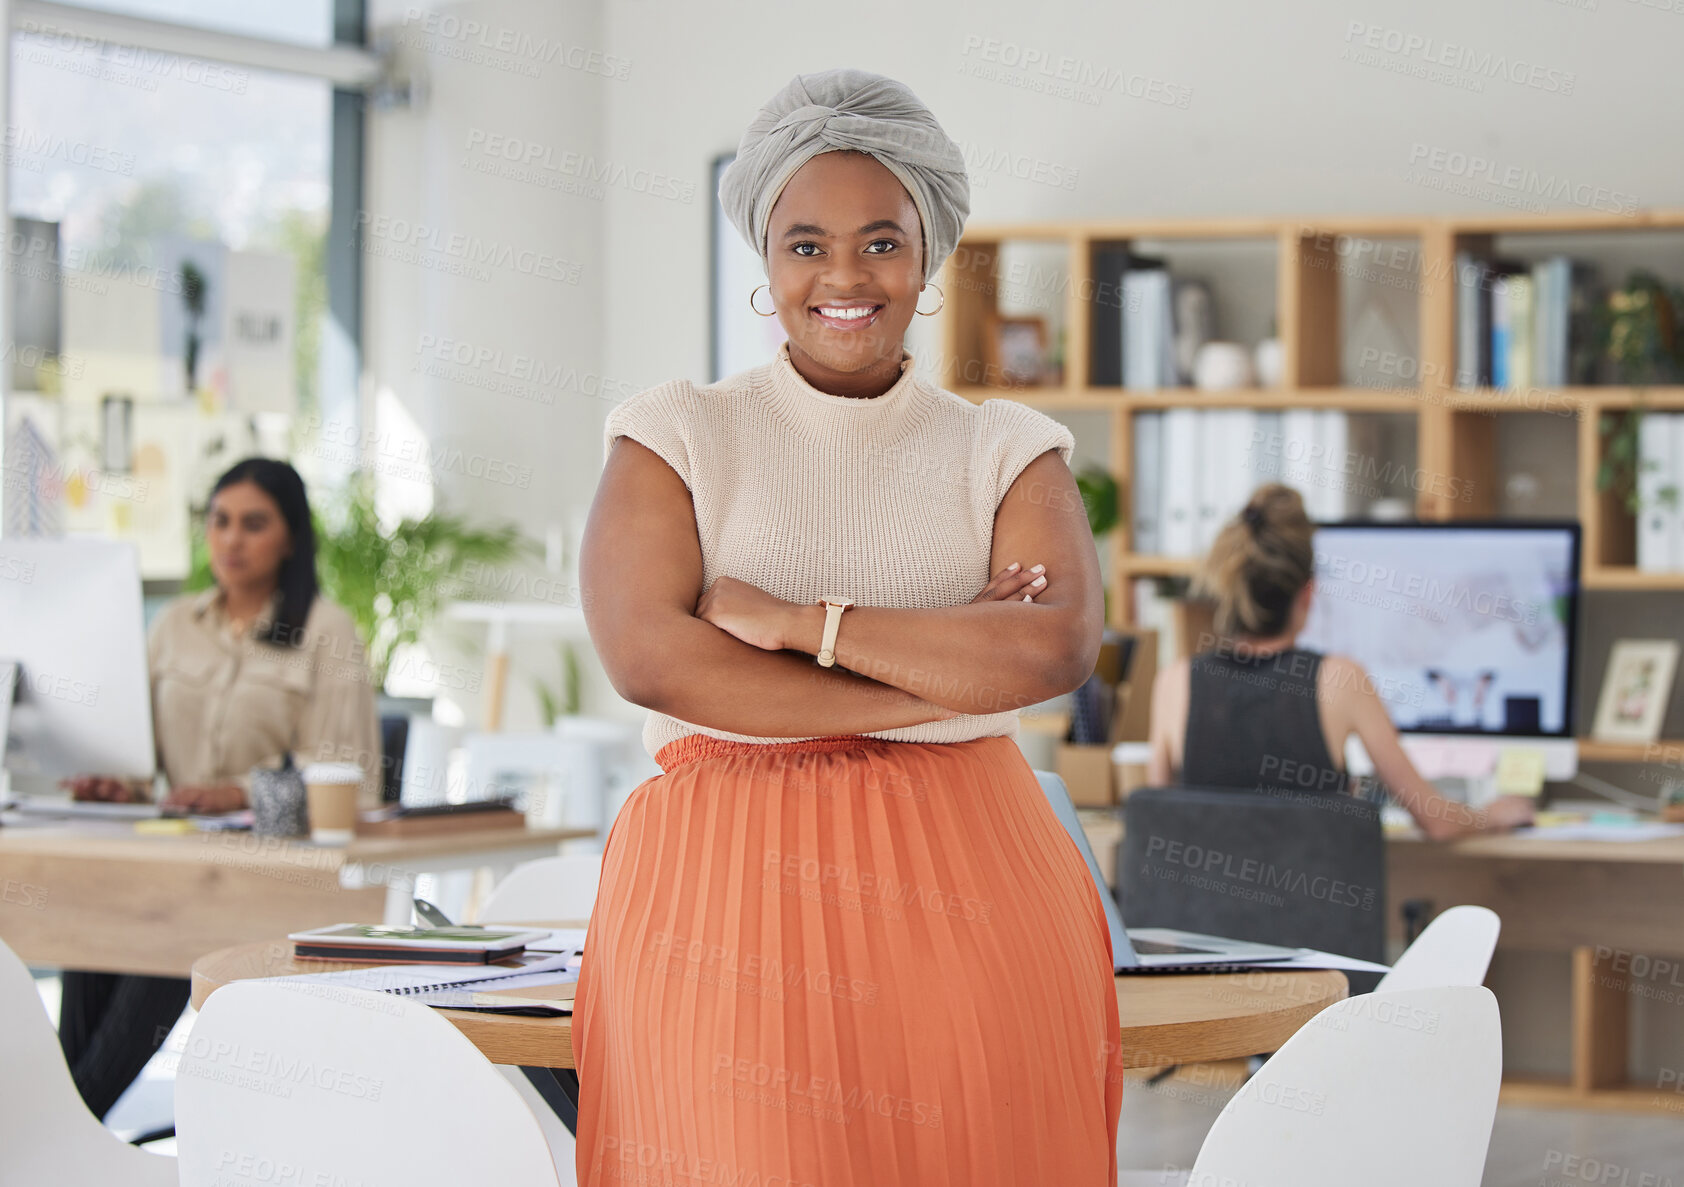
x=164, y=827
x=1520, y=772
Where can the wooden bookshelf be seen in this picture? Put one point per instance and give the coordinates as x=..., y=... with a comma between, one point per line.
x=1455, y=430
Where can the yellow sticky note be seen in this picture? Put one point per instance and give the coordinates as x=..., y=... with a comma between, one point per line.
x=1520, y=772
x=164, y=827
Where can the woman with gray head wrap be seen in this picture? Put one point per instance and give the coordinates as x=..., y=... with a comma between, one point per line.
x=842, y=938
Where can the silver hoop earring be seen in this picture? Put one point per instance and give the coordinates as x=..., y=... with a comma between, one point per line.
x=938, y=308
x=751, y=303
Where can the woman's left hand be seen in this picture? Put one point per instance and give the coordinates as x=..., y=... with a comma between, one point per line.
x=207, y=799
x=749, y=613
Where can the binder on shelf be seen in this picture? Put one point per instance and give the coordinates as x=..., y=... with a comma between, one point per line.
x=1237, y=461
x=1672, y=490
x=1501, y=276
x=1105, y=363
x=1148, y=327
x=1473, y=322
x=1331, y=479
x=1657, y=517
x=1147, y=503
x=1297, y=463
x=1522, y=305
x=1214, y=464
x=1266, y=446
x=1179, y=531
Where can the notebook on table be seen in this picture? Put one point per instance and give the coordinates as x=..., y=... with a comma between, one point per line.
x=374, y=942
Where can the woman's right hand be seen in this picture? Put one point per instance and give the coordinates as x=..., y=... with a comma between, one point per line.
x=104, y=788
x=1509, y=811
x=1014, y=584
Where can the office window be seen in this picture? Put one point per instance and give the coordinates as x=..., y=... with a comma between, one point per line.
x=307, y=22
x=168, y=260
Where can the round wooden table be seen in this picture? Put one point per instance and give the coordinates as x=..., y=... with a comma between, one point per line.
x=1165, y=1018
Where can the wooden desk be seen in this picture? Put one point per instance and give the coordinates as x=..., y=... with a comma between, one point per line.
x=1611, y=904
x=1164, y=1019
x=97, y=895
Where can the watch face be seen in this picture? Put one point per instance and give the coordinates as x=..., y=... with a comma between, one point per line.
x=844, y=603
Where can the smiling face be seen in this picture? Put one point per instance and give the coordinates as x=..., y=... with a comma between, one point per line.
x=845, y=258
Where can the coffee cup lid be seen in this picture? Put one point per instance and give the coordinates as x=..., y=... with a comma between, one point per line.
x=333, y=772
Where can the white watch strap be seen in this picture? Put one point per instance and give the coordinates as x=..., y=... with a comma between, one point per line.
x=827, y=646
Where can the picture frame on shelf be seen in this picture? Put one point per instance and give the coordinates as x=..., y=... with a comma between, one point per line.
x=1014, y=351
x=1635, y=690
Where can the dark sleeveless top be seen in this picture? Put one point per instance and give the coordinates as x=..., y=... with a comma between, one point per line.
x=1253, y=721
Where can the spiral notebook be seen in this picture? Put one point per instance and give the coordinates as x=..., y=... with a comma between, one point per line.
x=451, y=987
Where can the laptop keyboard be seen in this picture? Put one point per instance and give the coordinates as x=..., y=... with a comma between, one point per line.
x=1158, y=948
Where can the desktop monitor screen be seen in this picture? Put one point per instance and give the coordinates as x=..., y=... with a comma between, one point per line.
x=1463, y=628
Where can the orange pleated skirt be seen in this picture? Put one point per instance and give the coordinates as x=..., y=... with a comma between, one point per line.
x=845, y=961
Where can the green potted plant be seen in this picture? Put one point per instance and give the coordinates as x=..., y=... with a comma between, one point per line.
x=1639, y=341
x=1637, y=333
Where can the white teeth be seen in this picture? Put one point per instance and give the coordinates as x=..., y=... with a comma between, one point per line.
x=848, y=314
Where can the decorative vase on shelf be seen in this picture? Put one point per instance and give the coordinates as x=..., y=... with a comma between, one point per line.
x=1221, y=367
x=1269, y=358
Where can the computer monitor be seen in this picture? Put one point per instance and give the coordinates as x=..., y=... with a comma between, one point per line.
x=1464, y=628
x=71, y=622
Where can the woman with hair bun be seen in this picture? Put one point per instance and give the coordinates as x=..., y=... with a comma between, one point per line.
x=1256, y=706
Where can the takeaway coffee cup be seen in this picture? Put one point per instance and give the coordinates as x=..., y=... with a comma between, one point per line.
x=331, y=788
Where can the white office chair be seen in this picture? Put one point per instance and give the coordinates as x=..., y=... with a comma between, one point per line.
x=47, y=1134
x=547, y=889
x=1324, y=1111
x=544, y=890
x=1455, y=949
x=362, y=1087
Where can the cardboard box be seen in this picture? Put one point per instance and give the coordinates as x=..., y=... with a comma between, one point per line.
x=1086, y=771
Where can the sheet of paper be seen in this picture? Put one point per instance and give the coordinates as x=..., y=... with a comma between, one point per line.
x=1637, y=830
x=560, y=939
x=1310, y=958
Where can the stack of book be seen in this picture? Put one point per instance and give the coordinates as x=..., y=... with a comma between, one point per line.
x=1660, y=485
x=1195, y=468
x=387, y=944
x=1520, y=325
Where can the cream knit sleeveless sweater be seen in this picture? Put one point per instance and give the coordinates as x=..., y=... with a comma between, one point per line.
x=889, y=501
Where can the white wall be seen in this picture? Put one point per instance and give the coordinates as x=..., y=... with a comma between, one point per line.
x=513, y=425
x=1277, y=121
x=1213, y=108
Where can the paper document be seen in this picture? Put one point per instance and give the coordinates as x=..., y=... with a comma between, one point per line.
x=476, y=997
x=1310, y=958
x=560, y=939
x=1636, y=830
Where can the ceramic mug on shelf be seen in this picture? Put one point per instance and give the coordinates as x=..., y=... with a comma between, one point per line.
x=1222, y=366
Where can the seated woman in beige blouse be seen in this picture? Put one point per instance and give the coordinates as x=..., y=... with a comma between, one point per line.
x=260, y=665
x=243, y=674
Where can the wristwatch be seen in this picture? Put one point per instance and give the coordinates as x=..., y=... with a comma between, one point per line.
x=833, y=608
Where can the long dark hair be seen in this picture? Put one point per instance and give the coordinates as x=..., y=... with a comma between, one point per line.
x=297, y=579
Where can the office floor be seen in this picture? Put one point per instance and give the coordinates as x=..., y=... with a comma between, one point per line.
x=1164, y=1124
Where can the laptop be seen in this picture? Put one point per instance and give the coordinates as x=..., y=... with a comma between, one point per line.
x=1155, y=949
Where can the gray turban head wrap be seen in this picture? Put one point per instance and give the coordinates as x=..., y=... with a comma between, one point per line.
x=849, y=109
